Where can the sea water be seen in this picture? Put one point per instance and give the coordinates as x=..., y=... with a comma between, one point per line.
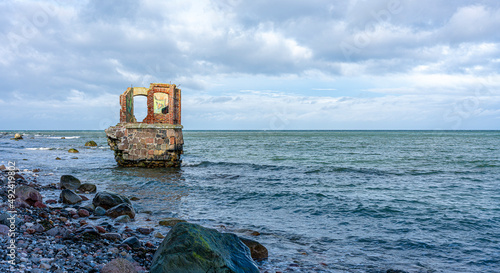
x=322, y=201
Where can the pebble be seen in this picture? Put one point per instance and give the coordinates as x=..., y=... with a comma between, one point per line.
x=159, y=235
x=122, y=219
x=83, y=213
x=99, y=211
x=145, y=231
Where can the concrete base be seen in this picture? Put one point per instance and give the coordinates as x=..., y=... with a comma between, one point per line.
x=146, y=145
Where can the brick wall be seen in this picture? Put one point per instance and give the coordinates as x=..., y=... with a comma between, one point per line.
x=174, y=105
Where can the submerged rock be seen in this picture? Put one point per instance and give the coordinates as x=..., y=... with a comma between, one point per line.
x=72, y=150
x=190, y=248
x=69, y=197
x=90, y=143
x=69, y=182
x=107, y=199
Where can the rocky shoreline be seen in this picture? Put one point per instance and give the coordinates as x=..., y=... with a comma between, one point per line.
x=84, y=231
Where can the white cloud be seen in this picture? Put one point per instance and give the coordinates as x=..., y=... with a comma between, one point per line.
x=410, y=65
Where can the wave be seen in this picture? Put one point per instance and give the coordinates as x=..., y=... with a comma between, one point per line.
x=333, y=169
x=65, y=137
x=40, y=149
x=234, y=164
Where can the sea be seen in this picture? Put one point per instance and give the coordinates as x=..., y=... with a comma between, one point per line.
x=322, y=201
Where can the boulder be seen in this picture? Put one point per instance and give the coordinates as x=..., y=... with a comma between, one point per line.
x=190, y=248
x=18, y=136
x=107, y=199
x=258, y=251
x=69, y=197
x=170, y=222
x=72, y=150
x=28, y=195
x=121, y=209
x=119, y=265
x=90, y=143
x=87, y=188
x=69, y=182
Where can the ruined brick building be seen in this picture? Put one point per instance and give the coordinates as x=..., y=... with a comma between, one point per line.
x=155, y=141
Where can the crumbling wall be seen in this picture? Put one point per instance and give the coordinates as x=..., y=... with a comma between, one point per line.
x=144, y=145
x=164, y=95
x=157, y=141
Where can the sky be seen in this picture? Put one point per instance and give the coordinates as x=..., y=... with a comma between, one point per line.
x=254, y=65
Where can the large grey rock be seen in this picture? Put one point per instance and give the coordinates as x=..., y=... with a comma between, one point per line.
x=69, y=197
x=69, y=182
x=28, y=195
x=191, y=248
x=121, y=209
x=107, y=199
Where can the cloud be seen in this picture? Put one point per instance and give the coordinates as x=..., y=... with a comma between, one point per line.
x=361, y=55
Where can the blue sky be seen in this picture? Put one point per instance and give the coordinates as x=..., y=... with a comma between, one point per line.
x=266, y=65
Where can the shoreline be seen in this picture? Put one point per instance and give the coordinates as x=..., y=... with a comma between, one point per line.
x=51, y=236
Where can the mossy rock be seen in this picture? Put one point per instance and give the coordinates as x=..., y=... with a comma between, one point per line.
x=73, y=151
x=91, y=143
x=192, y=248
